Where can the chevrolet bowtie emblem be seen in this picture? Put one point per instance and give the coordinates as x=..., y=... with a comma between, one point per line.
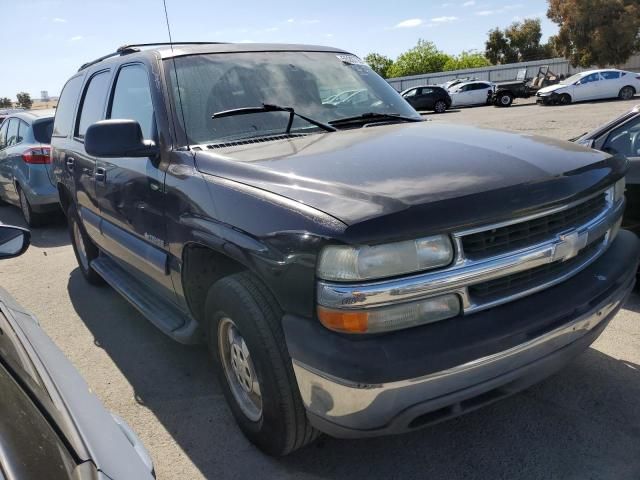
x=570, y=245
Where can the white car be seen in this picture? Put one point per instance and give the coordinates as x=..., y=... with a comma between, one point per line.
x=471, y=93
x=591, y=85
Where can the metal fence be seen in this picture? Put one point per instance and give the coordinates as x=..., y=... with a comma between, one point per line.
x=499, y=73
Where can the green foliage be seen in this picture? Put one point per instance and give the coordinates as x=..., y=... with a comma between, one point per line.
x=6, y=102
x=596, y=32
x=379, y=63
x=423, y=58
x=24, y=100
x=467, y=59
x=519, y=42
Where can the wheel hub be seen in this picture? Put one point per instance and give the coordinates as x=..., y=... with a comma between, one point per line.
x=239, y=370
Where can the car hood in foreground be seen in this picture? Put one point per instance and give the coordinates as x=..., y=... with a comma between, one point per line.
x=356, y=175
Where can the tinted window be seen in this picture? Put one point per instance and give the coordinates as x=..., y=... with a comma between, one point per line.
x=23, y=131
x=132, y=98
x=42, y=130
x=427, y=91
x=12, y=132
x=594, y=77
x=625, y=139
x=66, y=107
x=610, y=75
x=92, y=108
x=411, y=93
x=3, y=135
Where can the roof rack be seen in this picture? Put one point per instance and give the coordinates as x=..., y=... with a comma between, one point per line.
x=135, y=47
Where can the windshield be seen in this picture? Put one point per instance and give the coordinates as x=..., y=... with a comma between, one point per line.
x=322, y=85
x=572, y=79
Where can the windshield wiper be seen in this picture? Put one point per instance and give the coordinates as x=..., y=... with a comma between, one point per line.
x=266, y=107
x=374, y=116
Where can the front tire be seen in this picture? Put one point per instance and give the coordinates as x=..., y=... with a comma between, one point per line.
x=253, y=365
x=504, y=100
x=84, y=249
x=626, y=93
x=565, y=99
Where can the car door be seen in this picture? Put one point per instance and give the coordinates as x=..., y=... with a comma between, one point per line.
x=426, y=98
x=7, y=160
x=481, y=93
x=463, y=95
x=587, y=87
x=130, y=191
x=610, y=83
x=411, y=97
x=79, y=163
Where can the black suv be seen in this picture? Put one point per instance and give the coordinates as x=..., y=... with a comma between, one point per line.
x=353, y=269
x=429, y=97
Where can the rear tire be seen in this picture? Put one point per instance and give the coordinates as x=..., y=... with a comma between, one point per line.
x=626, y=93
x=440, y=106
x=84, y=249
x=242, y=316
x=504, y=100
x=565, y=99
x=32, y=218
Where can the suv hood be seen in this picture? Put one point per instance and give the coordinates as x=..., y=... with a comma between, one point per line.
x=356, y=175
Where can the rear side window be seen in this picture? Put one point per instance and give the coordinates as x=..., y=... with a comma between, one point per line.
x=42, y=130
x=66, y=107
x=132, y=98
x=610, y=75
x=3, y=135
x=93, y=101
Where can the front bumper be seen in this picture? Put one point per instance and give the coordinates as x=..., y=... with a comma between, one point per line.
x=365, y=391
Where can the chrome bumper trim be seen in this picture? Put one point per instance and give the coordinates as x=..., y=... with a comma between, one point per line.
x=372, y=406
x=466, y=272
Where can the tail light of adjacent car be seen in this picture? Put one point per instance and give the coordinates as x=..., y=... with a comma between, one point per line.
x=37, y=155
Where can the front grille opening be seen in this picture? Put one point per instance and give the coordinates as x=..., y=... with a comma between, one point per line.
x=520, y=235
x=521, y=281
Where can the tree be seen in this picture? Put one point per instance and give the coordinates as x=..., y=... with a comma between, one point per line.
x=596, y=32
x=467, y=59
x=379, y=63
x=423, y=58
x=24, y=100
x=519, y=42
x=6, y=102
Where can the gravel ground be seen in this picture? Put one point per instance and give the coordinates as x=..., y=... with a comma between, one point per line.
x=582, y=423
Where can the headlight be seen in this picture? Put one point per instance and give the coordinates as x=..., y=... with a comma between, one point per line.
x=348, y=263
x=544, y=94
x=393, y=317
x=618, y=189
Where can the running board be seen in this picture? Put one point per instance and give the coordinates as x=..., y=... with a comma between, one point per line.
x=159, y=311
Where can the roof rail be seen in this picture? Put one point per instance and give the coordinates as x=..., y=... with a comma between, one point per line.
x=124, y=50
x=135, y=47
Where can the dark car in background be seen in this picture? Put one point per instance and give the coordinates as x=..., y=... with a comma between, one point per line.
x=51, y=425
x=25, y=165
x=428, y=97
x=621, y=136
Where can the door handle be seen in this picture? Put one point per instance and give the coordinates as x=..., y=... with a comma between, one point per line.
x=101, y=174
x=70, y=163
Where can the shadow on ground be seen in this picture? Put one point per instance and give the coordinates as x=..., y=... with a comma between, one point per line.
x=52, y=234
x=581, y=423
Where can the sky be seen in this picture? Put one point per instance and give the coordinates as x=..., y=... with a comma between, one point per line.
x=50, y=39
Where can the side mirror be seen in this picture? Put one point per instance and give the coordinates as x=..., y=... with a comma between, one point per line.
x=118, y=138
x=14, y=241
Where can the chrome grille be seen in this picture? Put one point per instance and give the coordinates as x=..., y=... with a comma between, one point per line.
x=521, y=281
x=523, y=234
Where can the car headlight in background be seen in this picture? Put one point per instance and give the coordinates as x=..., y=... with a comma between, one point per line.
x=346, y=263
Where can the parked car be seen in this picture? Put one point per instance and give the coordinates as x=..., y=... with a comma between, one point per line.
x=621, y=136
x=452, y=83
x=469, y=94
x=353, y=270
x=25, y=165
x=428, y=97
x=51, y=425
x=591, y=85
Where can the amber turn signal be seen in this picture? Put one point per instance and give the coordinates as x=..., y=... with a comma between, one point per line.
x=345, y=321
